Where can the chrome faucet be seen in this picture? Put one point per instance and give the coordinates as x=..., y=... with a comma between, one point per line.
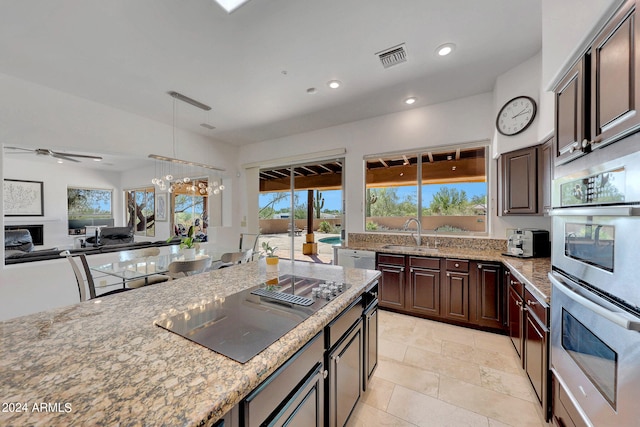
x=417, y=238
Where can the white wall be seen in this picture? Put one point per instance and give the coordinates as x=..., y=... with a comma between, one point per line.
x=567, y=27
x=56, y=178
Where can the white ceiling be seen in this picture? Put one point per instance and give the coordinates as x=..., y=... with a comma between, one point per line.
x=254, y=66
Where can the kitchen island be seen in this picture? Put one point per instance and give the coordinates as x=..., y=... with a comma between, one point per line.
x=105, y=362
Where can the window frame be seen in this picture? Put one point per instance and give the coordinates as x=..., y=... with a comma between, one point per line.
x=146, y=190
x=419, y=153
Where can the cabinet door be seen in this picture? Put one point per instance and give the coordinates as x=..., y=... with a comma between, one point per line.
x=456, y=296
x=306, y=407
x=570, y=113
x=519, y=182
x=535, y=358
x=490, y=295
x=546, y=181
x=345, y=377
x=615, y=91
x=424, y=286
x=371, y=344
x=391, y=286
x=515, y=320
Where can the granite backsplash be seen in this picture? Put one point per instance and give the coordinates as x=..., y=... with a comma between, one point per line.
x=472, y=242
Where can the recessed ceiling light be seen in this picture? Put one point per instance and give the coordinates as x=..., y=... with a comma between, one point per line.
x=334, y=84
x=445, y=49
x=231, y=5
x=410, y=100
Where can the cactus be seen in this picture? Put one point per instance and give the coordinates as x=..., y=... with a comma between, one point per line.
x=318, y=203
x=371, y=199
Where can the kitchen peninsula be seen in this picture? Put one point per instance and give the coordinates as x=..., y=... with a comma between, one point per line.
x=105, y=362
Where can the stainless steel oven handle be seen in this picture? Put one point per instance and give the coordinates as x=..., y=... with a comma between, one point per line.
x=597, y=211
x=618, y=317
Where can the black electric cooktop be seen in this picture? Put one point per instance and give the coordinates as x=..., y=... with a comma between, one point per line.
x=242, y=325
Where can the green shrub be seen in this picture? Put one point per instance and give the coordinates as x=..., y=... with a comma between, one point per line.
x=371, y=226
x=325, y=227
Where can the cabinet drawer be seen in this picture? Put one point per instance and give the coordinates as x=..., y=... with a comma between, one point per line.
x=516, y=285
x=390, y=259
x=266, y=398
x=457, y=265
x=340, y=325
x=536, y=307
x=422, y=262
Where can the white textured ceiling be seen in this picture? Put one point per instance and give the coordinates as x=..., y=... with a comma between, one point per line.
x=254, y=66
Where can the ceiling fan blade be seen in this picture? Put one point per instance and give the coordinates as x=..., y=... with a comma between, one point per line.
x=54, y=153
x=60, y=156
x=19, y=148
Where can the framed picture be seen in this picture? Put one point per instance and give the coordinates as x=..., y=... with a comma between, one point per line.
x=161, y=207
x=23, y=198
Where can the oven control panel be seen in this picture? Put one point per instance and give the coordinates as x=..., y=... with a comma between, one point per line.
x=597, y=189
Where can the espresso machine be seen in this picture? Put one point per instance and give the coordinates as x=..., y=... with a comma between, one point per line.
x=528, y=243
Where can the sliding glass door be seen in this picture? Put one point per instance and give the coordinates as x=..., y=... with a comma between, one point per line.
x=300, y=209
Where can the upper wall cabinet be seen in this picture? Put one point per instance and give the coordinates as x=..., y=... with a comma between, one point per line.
x=597, y=101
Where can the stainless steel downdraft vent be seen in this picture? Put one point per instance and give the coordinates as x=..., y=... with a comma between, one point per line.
x=393, y=56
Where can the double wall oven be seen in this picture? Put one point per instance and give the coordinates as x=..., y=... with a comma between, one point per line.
x=595, y=301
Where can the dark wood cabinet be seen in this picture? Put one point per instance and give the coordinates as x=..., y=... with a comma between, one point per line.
x=546, y=181
x=615, y=64
x=370, y=343
x=305, y=408
x=515, y=309
x=456, y=291
x=597, y=100
x=528, y=320
x=392, y=280
x=536, y=348
x=489, y=295
x=424, y=286
x=345, y=366
x=571, y=119
x=520, y=193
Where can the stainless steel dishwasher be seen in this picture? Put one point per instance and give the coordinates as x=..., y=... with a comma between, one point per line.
x=356, y=259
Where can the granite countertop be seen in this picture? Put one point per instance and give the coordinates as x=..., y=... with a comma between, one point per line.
x=104, y=362
x=531, y=271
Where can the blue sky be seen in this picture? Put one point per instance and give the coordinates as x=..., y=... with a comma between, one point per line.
x=333, y=198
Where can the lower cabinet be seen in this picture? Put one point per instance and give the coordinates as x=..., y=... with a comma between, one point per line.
x=344, y=363
x=456, y=296
x=370, y=319
x=490, y=295
x=528, y=321
x=293, y=390
x=456, y=290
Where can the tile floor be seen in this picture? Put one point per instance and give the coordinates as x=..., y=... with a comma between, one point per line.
x=433, y=374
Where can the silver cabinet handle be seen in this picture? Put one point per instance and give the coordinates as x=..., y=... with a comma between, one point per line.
x=620, y=318
x=597, y=211
x=325, y=374
x=337, y=359
x=479, y=266
x=457, y=265
x=448, y=274
x=531, y=303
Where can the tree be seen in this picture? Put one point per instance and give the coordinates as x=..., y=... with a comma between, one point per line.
x=449, y=201
x=388, y=203
x=318, y=203
x=268, y=210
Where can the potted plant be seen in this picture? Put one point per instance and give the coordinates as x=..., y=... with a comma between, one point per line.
x=187, y=244
x=272, y=259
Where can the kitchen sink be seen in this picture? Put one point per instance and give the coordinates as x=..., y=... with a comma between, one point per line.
x=412, y=248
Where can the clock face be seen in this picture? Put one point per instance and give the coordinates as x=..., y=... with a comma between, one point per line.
x=516, y=115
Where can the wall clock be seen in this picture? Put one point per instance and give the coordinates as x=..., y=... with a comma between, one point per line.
x=516, y=115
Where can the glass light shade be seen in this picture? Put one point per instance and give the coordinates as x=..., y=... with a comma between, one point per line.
x=221, y=187
x=216, y=191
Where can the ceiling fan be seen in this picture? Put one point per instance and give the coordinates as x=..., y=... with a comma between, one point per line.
x=56, y=154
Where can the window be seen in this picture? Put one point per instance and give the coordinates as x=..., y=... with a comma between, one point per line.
x=190, y=204
x=445, y=187
x=88, y=207
x=140, y=210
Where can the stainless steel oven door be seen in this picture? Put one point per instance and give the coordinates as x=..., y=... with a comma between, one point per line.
x=595, y=350
x=598, y=245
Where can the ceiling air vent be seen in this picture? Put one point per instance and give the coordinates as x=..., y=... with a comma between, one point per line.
x=393, y=56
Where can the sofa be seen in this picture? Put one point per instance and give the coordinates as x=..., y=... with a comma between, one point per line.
x=112, y=236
